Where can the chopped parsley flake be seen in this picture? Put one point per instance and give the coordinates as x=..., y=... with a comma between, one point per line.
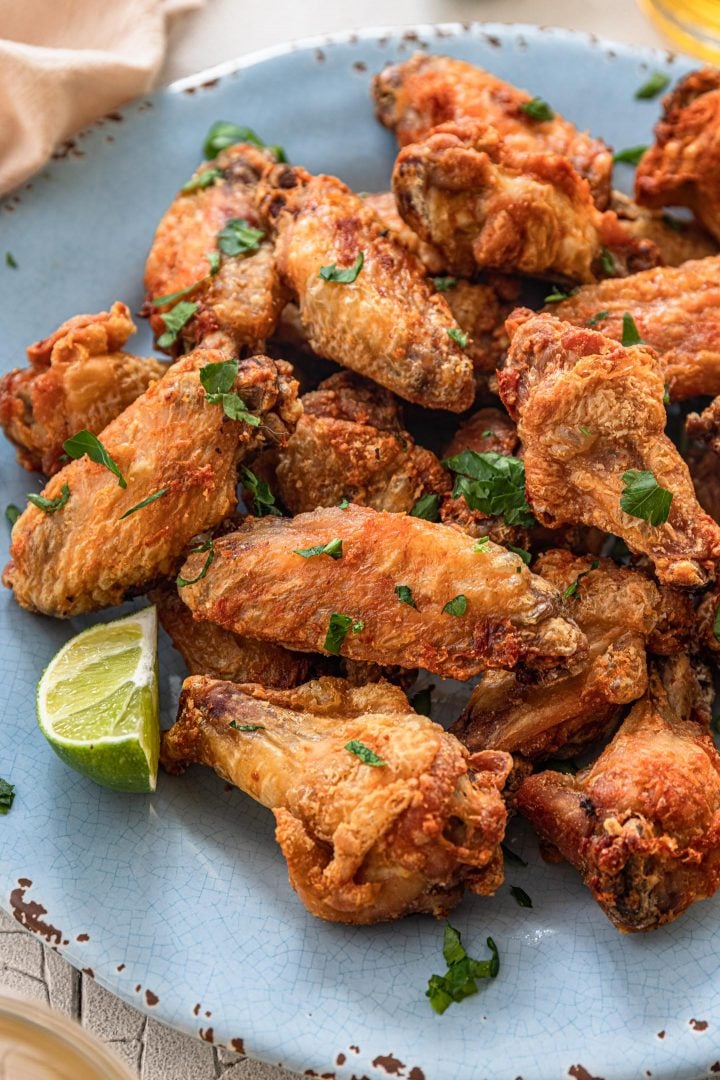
x=573, y=587
x=607, y=262
x=595, y=319
x=511, y=858
x=558, y=294
x=520, y=897
x=492, y=483
x=458, y=982
x=630, y=332
x=644, y=498
x=655, y=85
x=7, y=795
x=145, y=502
x=175, y=320
x=537, y=109
x=261, y=497
x=337, y=631
x=333, y=548
x=10, y=260
x=442, y=284
x=630, y=156
x=51, y=505
x=208, y=546
x=86, y=443
x=343, y=275
x=366, y=755
x=223, y=134
x=404, y=595
x=524, y=555
x=456, y=606
x=202, y=180
x=239, y=238
x=217, y=380
x=427, y=507
x=246, y=727
x=12, y=513
x=459, y=336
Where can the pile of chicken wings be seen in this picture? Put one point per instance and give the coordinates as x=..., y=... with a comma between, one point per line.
x=467, y=421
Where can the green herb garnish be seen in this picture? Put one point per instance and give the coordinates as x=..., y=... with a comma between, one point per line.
x=558, y=294
x=218, y=380
x=12, y=513
x=208, y=546
x=246, y=727
x=456, y=606
x=520, y=897
x=223, y=134
x=655, y=85
x=595, y=319
x=666, y=394
x=86, y=443
x=573, y=588
x=524, y=555
x=366, y=755
x=333, y=548
x=213, y=257
x=262, y=498
x=174, y=321
x=584, y=430
x=144, y=502
x=404, y=595
x=202, y=180
x=630, y=332
x=239, y=238
x=537, y=109
x=337, y=631
x=51, y=505
x=427, y=507
x=607, y=261
x=629, y=156
x=7, y=794
x=511, y=858
x=459, y=980
x=492, y=483
x=422, y=701
x=442, y=284
x=343, y=275
x=481, y=543
x=10, y=260
x=459, y=336
x=643, y=497
x=343, y=504
x=716, y=624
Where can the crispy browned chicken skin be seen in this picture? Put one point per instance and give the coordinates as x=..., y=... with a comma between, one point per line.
x=417, y=95
x=363, y=843
x=683, y=167
x=642, y=824
x=259, y=587
x=705, y=426
x=590, y=410
x=383, y=204
x=704, y=465
x=239, y=305
x=676, y=239
x=78, y=379
x=86, y=555
x=389, y=323
x=621, y=612
x=486, y=203
x=350, y=443
x=676, y=310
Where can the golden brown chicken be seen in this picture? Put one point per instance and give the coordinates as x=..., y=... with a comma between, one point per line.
x=486, y=430
x=704, y=465
x=642, y=824
x=384, y=206
x=485, y=203
x=683, y=167
x=393, y=590
x=350, y=443
x=379, y=812
x=417, y=95
x=675, y=309
x=591, y=420
x=78, y=379
x=677, y=239
x=238, y=303
x=705, y=426
x=386, y=321
x=622, y=613
x=94, y=541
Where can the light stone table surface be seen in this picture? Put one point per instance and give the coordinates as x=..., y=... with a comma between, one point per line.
x=220, y=31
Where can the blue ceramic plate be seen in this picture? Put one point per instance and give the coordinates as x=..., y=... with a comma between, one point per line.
x=179, y=902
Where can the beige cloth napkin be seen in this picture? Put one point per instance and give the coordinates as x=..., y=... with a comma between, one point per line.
x=64, y=63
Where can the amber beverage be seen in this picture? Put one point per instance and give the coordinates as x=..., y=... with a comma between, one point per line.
x=692, y=25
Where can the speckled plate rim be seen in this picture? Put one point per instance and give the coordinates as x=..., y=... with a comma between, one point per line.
x=420, y=36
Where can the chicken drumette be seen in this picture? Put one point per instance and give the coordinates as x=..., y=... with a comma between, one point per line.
x=379, y=812
x=641, y=824
x=78, y=379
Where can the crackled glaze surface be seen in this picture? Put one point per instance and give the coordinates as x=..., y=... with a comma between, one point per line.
x=179, y=902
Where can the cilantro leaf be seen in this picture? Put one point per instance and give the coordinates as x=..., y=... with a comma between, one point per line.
x=86, y=443
x=537, y=109
x=262, y=498
x=7, y=795
x=144, y=502
x=343, y=275
x=404, y=595
x=366, y=755
x=333, y=548
x=217, y=381
x=457, y=606
x=595, y=319
x=422, y=701
x=223, y=134
x=239, y=238
x=630, y=156
x=630, y=332
x=643, y=497
x=12, y=513
x=246, y=727
x=459, y=980
x=427, y=507
x=174, y=321
x=511, y=858
x=202, y=180
x=337, y=631
x=442, y=284
x=573, y=587
x=655, y=85
x=51, y=505
x=492, y=483
x=208, y=546
x=459, y=336
x=520, y=896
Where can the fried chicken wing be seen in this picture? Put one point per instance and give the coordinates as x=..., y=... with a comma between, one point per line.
x=676, y=239
x=419, y=94
x=480, y=309
x=676, y=310
x=589, y=411
x=387, y=323
x=683, y=167
x=384, y=206
x=364, y=843
x=704, y=465
x=86, y=553
x=642, y=824
x=241, y=303
x=620, y=611
x=350, y=444
x=485, y=203
x=705, y=426
x=500, y=614
x=78, y=378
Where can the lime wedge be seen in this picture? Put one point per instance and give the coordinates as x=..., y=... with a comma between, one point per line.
x=97, y=703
